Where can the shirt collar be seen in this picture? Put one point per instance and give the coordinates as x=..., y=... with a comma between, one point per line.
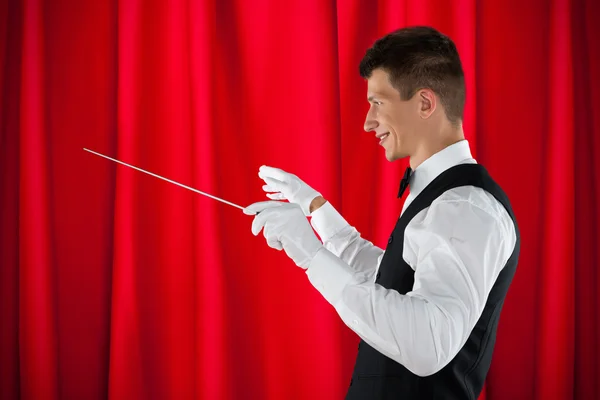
x=429, y=169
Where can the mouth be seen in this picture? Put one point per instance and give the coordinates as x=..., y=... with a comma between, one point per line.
x=382, y=137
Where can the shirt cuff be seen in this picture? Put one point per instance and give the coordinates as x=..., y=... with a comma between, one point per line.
x=327, y=221
x=329, y=275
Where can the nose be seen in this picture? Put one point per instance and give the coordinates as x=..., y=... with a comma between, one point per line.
x=370, y=121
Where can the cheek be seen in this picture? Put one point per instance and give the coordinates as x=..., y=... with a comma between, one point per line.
x=398, y=126
x=403, y=125
x=390, y=121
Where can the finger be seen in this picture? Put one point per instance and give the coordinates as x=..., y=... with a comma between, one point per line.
x=275, y=244
x=260, y=206
x=266, y=215
x=270, y=231
x=275, y=184
x=276, y=196
x=258, y=224
x=272, y=239
x=268, y=188
x=271, y=172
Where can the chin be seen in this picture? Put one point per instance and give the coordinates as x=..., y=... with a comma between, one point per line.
x=393, y=156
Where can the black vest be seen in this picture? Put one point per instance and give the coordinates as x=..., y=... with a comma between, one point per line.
x=376, y=376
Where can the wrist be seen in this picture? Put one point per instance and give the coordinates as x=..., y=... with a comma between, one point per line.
x=316, y=203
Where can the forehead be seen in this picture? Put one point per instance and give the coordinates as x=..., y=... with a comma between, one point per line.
x=378, y=84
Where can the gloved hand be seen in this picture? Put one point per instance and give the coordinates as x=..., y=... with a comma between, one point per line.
x=285, y=227
x=287, y=187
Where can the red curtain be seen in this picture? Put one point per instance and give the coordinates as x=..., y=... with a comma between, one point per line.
x=114, y=284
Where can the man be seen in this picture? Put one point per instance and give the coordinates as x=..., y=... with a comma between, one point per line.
x=426, y=308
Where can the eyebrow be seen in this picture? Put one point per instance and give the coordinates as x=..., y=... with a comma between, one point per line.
x=371, y=98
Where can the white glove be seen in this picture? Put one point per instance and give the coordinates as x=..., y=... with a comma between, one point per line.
x=285, y=227
x=287, y=187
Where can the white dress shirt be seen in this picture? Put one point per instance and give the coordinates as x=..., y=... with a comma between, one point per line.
x=457, y=247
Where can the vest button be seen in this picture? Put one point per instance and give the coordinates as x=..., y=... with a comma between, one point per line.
x=378, y=275
x=391, y=239
x=351, y=381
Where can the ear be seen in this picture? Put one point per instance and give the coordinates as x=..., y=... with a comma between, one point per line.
x=427, y=101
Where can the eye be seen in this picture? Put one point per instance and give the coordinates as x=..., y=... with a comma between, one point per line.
x=377, y=103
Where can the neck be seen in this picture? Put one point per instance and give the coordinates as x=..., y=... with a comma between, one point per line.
x=435, y=142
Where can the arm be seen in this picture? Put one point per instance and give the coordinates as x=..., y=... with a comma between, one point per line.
x=343, y=240
x=337, y=235
x=457, y=250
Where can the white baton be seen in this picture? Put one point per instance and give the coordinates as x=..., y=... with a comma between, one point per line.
x=168, y=180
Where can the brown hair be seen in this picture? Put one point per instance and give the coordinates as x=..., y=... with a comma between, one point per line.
x=420, y=57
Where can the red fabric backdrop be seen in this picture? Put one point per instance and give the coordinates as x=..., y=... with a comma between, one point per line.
x=114, y=284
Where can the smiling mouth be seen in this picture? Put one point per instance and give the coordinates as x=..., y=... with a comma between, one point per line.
x=382, y=137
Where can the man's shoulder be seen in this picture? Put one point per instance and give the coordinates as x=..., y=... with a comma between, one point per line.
x=463, y=212
x=465, y=198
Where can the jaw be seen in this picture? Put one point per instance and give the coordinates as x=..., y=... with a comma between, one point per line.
x=392, y=155
x=393, y=152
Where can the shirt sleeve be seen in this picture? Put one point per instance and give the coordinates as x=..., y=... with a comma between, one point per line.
x=459, y=249
x=345, y=242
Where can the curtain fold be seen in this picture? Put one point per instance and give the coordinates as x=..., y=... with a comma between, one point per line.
x=114, y=284
x=40, y=365
x=555, y=322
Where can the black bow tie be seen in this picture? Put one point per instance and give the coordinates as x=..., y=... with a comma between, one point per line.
x=405, y=181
